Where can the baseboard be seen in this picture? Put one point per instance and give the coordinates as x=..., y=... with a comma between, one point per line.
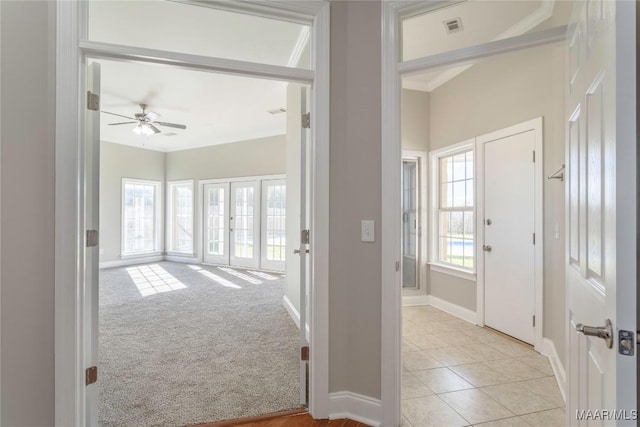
x=356, y=407
x=130, y=261
x=413, y=300
x=183, y=259
x=453, y=309
x=549, y=350
x=294, y=313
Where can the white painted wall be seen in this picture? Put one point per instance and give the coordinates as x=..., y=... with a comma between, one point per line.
x=119, y=161
x=27, y=212
x=414, y=118
x=491, y=95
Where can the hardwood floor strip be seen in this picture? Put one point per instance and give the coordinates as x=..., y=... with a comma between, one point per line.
x=293, y=418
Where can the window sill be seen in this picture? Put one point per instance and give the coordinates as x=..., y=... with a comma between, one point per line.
x=453, y=271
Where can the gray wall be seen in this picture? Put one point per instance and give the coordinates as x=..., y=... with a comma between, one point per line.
x=119, y=161
x=492, y=95
x=414, y=119
x=264, y=156
x=27, y=217
x=355, y=194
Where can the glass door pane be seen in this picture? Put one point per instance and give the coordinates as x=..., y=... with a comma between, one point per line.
x=410, y=244
x=216, y=223
x=245, y=224
x=274, y=204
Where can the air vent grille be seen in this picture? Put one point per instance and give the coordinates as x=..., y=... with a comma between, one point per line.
x=453, y=25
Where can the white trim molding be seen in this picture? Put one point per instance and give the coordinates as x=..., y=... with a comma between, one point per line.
x=453, y=309
x=356, y=407
x=294, y=314
x=549, y=349
x=414, y=300
x=131, y=261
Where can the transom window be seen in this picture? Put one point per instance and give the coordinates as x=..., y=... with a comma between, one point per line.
x=140, y=216
x=455, y=217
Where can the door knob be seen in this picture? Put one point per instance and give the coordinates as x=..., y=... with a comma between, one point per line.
x=486, y=248
x=605, y=332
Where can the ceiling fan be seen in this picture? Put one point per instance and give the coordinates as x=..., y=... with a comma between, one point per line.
x=145, y=121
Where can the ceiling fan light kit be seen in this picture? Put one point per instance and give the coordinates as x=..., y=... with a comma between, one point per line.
x=145, y=122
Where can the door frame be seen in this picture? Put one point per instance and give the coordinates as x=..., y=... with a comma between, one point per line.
x=535, y=125
x=72, y=51
x=392, y=71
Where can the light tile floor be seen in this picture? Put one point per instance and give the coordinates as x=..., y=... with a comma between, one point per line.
x=457, y=374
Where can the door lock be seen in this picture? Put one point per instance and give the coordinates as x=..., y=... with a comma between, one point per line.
x=605, y=332
x=486, y=248
x=489, y=222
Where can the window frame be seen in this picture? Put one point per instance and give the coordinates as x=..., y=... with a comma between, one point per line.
x=435, y=185
x=157, y=220
x=170, y=217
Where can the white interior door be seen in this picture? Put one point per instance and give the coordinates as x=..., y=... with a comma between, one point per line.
x=601, y=206
x=273, y=225
x=509, y=224
x=244, y=224
x=91, y=258
x=216, y=223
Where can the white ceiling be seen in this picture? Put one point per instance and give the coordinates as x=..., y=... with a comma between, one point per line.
x=216, y=108
x=220, y=108
x=482, y=21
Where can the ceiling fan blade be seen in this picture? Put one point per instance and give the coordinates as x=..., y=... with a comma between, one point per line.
x=119, y=115
x=154, y=129
x=171, y=125
x=152, y=116
x=120, y=123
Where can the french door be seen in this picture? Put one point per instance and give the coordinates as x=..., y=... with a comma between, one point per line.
x=244, y=223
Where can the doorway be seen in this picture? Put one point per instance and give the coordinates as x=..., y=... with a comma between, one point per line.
x=316, y=15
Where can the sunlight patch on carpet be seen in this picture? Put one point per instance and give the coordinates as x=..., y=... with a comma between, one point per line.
x=239, y=275
x=153, y=279
x=209, y=275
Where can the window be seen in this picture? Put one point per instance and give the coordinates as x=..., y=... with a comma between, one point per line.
x=455, y=208
x=180, y=213
x=140, y=216
x=276, y=200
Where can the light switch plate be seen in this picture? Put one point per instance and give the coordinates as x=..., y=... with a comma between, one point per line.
x=368, y=231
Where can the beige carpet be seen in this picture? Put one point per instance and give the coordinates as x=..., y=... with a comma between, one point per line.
x=184, y=344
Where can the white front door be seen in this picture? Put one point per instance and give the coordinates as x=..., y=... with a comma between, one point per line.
x=216, y=224
x=601, y=208
x=244, y=224
x=509, y=224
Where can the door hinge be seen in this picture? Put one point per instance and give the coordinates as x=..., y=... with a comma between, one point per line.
x=91, y=375
x=534, y=238
x=304, y=353
x=306, y=121
x=304, y=237
x=92, y=238
x=534, y=320
x=93, y=101
x=534, y=156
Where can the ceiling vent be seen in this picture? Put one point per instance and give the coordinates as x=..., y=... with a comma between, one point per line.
x=453, y=25
x=277, y=111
